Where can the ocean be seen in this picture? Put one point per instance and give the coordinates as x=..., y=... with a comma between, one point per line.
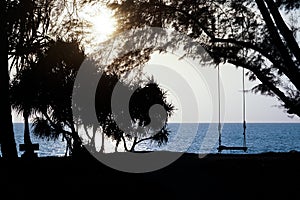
x=201, y=138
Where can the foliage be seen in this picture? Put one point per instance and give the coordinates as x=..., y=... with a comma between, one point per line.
x=26, y=29
x=45, y=89
x=288, y=4
x=249, y=34
x=137, y=127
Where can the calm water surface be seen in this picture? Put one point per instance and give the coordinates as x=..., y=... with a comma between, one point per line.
x=203, y=138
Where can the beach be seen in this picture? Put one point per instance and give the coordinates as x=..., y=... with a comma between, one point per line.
x=225, y=176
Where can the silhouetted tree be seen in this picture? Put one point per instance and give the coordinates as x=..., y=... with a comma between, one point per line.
x=26, y=28
x=23, y=98
x=45, y=89
x=138, y=126
x=249, y=34
x=56, y=73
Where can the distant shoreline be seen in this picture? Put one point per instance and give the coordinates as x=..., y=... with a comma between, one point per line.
x=284, y=122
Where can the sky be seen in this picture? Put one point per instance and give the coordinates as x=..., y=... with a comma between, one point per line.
x=258, y=109
x=193, y=90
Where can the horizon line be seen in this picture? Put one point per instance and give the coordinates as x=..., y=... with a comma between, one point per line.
x=206, y=122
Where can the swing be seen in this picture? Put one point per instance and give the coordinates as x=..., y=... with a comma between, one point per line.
x=223, y=147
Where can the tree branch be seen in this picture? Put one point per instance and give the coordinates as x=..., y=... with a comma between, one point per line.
x=142, y=140
x=286, y=100
x=291, y=71
x=125, y=145
x=284, y=29
x=250, y=46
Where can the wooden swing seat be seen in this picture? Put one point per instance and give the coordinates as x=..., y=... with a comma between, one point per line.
x=222, y=147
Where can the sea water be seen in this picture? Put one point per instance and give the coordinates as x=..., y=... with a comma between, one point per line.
x=46, y=147
x=259, y=138
x=200, y=138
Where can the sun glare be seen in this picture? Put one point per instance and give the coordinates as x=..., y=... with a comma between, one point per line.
x=102, y=25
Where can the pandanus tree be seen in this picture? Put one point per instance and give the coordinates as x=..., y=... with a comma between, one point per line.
x=139, y=124
x=56, y=74
x=44, y=88
x=260, y=36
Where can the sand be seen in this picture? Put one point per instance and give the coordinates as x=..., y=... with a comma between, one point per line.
x=216, y=176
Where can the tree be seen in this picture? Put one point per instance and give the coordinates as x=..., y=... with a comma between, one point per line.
x=26, y=27
x=45, y=89
x=23, y=98
x=122, y=121
x=247, y=34
x=8, y=146
x=54, y=77
x=139, y=107
x=139, y=126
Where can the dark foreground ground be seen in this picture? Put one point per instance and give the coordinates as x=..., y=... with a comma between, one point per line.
x=217, y=176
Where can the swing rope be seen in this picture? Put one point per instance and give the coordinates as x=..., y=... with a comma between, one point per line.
x=221, y=147
x=219, y=103
x=244, y=110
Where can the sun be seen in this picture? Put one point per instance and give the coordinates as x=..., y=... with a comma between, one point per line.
x=101, y=24
x=101, y=21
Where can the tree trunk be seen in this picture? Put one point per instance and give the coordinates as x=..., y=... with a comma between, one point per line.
x=102, y=142
x=29, y=148
x=8, y=144
x=77, y=143
x=284, y=29
x=27, y=140
x=290, y=69
x=133, y=145
x=125, y=145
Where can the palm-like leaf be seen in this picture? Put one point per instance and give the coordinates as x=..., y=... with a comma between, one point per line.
x=42, y=129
